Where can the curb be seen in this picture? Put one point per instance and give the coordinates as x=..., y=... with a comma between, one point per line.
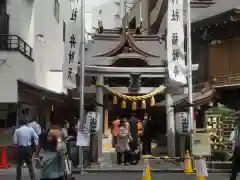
x=76, y=171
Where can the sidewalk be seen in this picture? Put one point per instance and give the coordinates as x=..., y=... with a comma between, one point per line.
x=157, y=165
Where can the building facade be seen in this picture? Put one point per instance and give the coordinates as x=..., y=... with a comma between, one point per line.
x=111, y=13
x=32, y=35
x=40, y=35
x=153, y=14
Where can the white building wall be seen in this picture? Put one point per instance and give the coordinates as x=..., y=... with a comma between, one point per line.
x=110, y=16
x=15, y=66
x=49, y=52
x=28, y=20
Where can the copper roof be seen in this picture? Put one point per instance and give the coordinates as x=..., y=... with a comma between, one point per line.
x=126, y=41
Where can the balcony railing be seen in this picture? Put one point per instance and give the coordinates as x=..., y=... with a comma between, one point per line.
x=227, y=80
x=15, y=43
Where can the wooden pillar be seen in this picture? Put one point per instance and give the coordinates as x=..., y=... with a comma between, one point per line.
x=105, y=116
x=105, y=123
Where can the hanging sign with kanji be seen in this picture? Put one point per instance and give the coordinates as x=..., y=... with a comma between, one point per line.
x=175, y=42
x=182, y=122
x=93, y=121
x=71, y=50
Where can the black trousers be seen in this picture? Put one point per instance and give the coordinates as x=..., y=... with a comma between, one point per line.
x=25, y=155
x=235, y=163
x=146, y=147
x=123, y=157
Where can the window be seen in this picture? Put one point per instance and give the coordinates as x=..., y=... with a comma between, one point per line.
x=64, y=31
x=56, y=9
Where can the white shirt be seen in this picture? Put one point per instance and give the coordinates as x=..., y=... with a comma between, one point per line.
x=234, y=138
x=64, y=133
x=36, y=127
x=23, y=136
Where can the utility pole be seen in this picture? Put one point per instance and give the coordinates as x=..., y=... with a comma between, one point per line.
x=189, y=64
x=81, y=84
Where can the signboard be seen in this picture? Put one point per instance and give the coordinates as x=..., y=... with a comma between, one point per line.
x=201, y=145
x=175, y=42
x=93, y=121
x=182, y=122
x=83, y=139
x=71, y=50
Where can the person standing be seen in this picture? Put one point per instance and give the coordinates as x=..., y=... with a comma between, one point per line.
x=235, y=138
x=122, y=146
x=64, y=130
x=147, y=136
x=115, y=128
x=133, y=121
x=134, y=154
x=37, y=128
x=23, y=137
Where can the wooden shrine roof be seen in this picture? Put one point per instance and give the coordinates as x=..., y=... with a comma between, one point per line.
x=231, y=15
x=110, y=43
x=126, y=44
x=203, y=94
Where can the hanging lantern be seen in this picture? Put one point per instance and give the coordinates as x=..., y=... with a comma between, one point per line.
x=134, y=106
x=143, y=105
x=124, y=104
x=152, y=101
x=115, y=100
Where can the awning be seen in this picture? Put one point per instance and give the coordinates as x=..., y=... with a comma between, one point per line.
x=40, y=92
x=89, y=99
x=200, y=97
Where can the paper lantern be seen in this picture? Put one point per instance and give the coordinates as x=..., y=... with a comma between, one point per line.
x=143, y=104
x=115, y=100
x=134, y=106
x=152, y=101
x=124, y=104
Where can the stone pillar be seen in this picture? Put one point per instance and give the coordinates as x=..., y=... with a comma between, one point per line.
x=99, y=99
x=170, y=125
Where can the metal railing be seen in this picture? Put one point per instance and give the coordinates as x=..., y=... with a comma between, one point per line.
x=15, y=43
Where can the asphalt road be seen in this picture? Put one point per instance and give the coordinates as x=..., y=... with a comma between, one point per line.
x=124, y=176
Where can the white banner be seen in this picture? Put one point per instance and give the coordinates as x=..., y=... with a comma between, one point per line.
x=71, y=51
x=93, y=121
x=175, y=42
x=182, y=122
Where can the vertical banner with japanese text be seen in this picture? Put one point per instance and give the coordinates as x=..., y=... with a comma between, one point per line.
x=71, y=51
x=175, y=42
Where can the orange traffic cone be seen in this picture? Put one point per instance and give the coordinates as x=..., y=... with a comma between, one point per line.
x=4, y=162
x=200, y=178
x=146, y=170
x=188, y=164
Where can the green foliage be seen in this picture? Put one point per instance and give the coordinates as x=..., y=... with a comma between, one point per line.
x=222, y=110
